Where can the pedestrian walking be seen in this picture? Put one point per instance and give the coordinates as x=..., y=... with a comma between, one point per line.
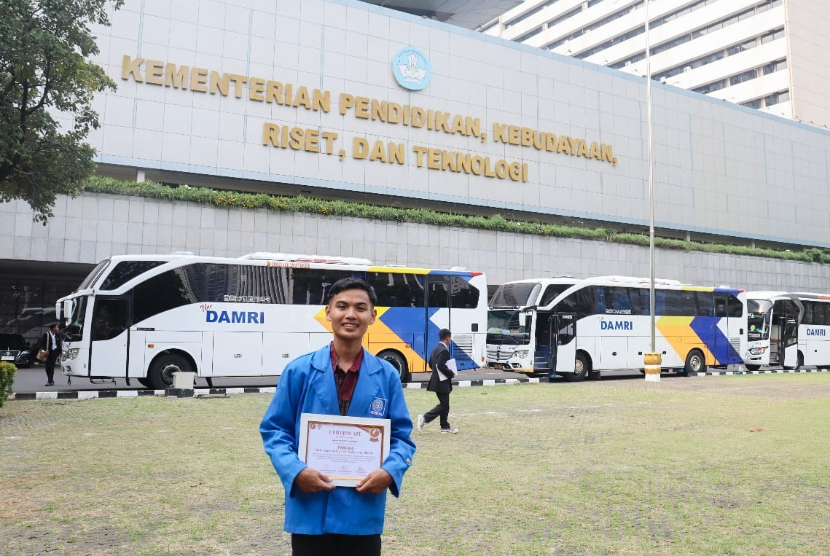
x=53, y=344
x=440, y=382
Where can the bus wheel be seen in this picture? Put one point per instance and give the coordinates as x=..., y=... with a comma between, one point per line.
x=397, y=361
x=581, y=369
x=752, y=368
x=161, y=371
x=695, y=363
x=144, y=382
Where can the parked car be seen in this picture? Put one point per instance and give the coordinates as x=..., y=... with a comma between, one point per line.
x=14, y=349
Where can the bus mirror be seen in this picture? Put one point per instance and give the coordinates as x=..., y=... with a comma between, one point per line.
x=522, y=319
x=68, y=309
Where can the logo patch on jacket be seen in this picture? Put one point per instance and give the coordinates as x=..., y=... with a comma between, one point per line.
x=378, y=407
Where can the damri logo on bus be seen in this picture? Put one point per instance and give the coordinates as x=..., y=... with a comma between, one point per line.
x=233, y=317
x=616, y=324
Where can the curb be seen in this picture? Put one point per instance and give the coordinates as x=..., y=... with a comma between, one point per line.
x=201, y=392
x=769, y=372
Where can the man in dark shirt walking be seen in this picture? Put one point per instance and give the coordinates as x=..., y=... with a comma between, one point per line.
x=441, y=386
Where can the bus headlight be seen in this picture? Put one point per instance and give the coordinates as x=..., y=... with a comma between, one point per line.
x=71, y=354
x=521, y=353
x=757, y=351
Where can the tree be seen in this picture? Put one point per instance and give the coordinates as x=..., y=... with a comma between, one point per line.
x=45, y=71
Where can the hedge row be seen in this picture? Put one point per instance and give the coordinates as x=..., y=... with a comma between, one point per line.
x=496, y=222
x=7, y=372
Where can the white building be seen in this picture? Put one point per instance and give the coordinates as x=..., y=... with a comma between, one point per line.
x=764, y=54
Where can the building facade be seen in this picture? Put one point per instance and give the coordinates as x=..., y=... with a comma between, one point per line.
x=764, y=54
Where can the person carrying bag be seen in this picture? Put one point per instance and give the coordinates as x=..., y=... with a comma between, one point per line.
x=50, y=350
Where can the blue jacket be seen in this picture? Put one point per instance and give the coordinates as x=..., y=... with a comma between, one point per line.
x=307, y=386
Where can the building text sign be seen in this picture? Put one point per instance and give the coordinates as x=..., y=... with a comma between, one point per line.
x=314, y=140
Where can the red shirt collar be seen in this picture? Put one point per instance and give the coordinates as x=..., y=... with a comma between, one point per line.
x=335, y=363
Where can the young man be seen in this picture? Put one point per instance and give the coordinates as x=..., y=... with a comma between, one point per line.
x=339, y=379
x=53, y=344
x=441, y=386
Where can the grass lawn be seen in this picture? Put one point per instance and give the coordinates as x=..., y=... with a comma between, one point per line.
x=699, y=466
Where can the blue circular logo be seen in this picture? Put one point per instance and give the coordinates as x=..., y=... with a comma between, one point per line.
x=411, y=68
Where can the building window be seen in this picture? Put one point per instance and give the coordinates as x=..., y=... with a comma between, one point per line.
x=777, y=98
x=741, y=77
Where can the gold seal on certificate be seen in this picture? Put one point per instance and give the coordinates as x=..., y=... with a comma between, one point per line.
x=344, y=448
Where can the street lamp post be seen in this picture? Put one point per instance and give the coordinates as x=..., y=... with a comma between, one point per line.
x=653, y=360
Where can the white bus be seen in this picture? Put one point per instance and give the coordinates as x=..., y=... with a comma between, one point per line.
x=145, y=317
x=788, y=330
x=578, y=328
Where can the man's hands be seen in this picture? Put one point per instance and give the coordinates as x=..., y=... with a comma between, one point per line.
x=375, y=482
x=311, y=480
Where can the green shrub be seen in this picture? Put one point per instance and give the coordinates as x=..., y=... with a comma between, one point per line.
x=497, y=222
x=7, y=372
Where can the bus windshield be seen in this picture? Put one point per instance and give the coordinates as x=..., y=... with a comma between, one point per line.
x=758, y=319
x=503, y=328
x=519, y=294
x=94, y=275
x=74, y=330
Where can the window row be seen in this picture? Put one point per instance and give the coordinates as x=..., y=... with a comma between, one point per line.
x=611, y=300
x=215, y=283
x=816, y=312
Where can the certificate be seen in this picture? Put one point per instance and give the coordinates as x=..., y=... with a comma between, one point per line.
x=451, y=365
x=344, y=448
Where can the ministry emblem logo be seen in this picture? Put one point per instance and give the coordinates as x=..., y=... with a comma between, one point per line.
x=411, y=68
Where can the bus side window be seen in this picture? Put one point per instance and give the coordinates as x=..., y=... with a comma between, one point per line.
x=675, y=303
x=311, y=286
x=705, y=304
x=620, y=301
x=464, y=296
x=585, y=301
x=720, y=307
x=543, y=329
x=734, y=307
x=550, y=294
x=567, y=305
x=166, y=291
x=110, y=317
x=438, y=296
x=600, y=297
x=639, y=301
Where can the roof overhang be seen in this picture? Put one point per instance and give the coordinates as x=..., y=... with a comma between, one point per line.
x=469, y=14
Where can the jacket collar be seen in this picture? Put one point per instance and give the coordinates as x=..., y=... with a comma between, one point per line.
x=365, y=391
x=321, y=361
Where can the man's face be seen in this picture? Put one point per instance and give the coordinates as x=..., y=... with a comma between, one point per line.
x=350, y=313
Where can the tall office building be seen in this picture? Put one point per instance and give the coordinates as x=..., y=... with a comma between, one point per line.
x=764, y=54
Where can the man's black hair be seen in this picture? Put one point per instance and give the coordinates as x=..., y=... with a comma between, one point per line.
x=444, y=333
x=353, y=284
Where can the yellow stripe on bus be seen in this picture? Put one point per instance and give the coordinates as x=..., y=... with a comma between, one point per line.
x=380, y=337
x=682, y=338
x=398, y=270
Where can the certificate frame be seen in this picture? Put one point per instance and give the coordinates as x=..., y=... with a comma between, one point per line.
x=342, y=447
